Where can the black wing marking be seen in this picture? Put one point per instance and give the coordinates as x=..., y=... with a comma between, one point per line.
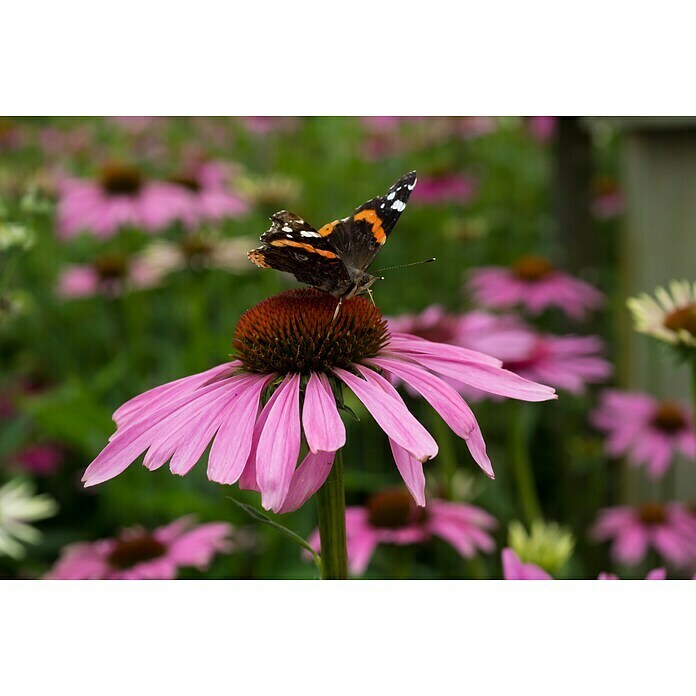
x=293, y=246
x=359, y=238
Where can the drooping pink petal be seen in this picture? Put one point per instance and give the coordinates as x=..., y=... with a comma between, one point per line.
x=390, y=412
x=233, y=442
x=308, y=478
x=405, y=343
x=411, y=471
x=323, y=427
x=279, y=445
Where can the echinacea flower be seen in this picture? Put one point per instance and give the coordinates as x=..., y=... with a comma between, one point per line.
x=196, y=251
x=514, y=569
x=292, y=359
x=210, y=197
x=121, y=196
x=655, y=574
x=669, y=529
x=42, y=459
x=543, y=128
x=536, y=285
x=446, y=188
x=670, y=316
x=392, y=517
x=138, y=554
x=18, y=506
x=547, y=544
x=648, y=431
x=564, y=362
x=608, y=201
x=110, y=274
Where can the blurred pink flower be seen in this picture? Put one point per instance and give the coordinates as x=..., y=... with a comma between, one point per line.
x=446, y=188
x=262, y=125
x=648, y=431
x=536, y=285
x=669, y=529
x=392, y=517
x=564, y=362
x=514, y=569
x=209, y=193
x=276, y=344
x=120, y=197
x=137, y=554
x=543, y=128
x=138, y=124
x=59, y=142
x=608, y=199
x=655, y=574
x=109, y=274
x=42, y=459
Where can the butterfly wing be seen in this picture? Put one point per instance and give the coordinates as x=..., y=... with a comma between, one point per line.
x=293, y=246
x=359, y=238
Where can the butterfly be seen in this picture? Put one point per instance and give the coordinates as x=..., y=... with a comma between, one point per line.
x=334, y=258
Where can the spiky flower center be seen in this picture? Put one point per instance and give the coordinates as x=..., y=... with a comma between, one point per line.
x=682, y=319
x=531, y=267
x=669, y=418
x=120, y=180
x=187, y=181
x=295, y=331
x=111, y=266
x=652, y=513
x=135, y=549
x=394, y=509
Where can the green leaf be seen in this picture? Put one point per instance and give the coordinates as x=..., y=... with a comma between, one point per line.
x=261, y=517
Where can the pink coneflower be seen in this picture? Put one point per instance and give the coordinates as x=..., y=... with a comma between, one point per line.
x=565, y=362
x=648, y=431
x=43, y=459
x=536, y=285
x=121, y=196
x=137, y=554
x=209, y=193
x=543, y=128
x=669, y=529
x=290, y=352
x=514, y=569
x=446, y=188
x=655, y=574
x=392, y=517
x=109, y=274
x=608, y=199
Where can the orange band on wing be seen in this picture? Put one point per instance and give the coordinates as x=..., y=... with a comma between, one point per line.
x=327, y=229
x=376, y=223
x=306, y=247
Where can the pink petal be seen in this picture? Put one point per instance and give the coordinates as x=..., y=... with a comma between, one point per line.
x=232, y=445
x=279, y=445
x=390, y=412
x=323, y=427
x=308, y=478
x=411, y=471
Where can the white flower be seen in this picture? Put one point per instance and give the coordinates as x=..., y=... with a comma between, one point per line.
x=670, y=315
x=19, y=505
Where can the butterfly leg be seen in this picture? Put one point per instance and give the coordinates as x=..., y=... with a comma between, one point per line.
x=369, y=292
x=337, y=310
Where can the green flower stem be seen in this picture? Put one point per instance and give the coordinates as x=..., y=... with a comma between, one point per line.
x=521, y=462
x=331, y=508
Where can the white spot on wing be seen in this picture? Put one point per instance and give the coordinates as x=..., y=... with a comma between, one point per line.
x=398, y=205
x=287, y=229
x=391, y=196
x=309, y=233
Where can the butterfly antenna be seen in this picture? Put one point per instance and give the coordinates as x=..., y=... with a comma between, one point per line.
x=406, y=265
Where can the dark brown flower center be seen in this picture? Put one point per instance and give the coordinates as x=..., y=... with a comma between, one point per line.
x=120, y=180
x=132, y=550
x=111, y=266
x=605, y=186
x=652, y=513
x=196, y=249
x=394, y=509
x=295, y=332
x=187, y=181
x=669, y=417
x=531, y=267
x=683, y=319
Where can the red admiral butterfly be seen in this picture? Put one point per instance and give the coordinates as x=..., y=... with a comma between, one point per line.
x=334, y=258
